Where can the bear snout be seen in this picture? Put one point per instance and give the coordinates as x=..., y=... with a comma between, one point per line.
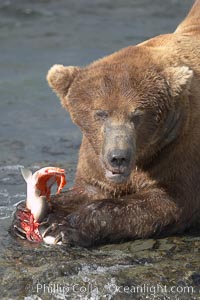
x=118, y=165
x=119, y=159
x=118, y=152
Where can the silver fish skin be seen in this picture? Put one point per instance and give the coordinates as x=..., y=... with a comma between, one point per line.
x=37, y=204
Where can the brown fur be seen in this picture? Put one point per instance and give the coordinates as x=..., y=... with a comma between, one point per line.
x=161, y=195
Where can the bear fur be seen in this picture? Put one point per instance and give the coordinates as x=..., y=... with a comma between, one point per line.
x=144, y=101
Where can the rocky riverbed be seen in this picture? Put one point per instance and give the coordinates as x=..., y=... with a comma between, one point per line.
x=151, y=269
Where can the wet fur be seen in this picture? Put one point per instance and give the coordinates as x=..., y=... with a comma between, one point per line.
x=161, y=196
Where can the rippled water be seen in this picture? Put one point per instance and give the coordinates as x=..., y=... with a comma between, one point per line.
x=34, y=130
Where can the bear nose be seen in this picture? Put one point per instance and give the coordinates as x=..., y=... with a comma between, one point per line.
x=119, y=158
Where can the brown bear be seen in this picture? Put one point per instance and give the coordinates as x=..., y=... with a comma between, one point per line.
x=139, y=163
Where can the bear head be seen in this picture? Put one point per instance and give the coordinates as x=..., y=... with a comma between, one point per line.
x=127, y=112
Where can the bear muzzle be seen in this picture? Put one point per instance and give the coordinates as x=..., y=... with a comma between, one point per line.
x=118, y=153
x=119, y=165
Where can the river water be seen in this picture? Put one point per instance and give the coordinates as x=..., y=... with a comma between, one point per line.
x=34, y=130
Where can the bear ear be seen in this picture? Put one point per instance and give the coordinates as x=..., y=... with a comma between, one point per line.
x=60, y=78
x=179, y=79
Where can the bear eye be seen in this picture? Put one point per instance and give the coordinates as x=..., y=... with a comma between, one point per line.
x=101, y=114
x=136, y=116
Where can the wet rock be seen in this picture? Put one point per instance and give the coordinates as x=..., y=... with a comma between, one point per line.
x=195, y=277
x=142, y=245
x=150, y=269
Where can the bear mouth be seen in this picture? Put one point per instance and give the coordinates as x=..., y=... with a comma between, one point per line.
x=117, y=176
